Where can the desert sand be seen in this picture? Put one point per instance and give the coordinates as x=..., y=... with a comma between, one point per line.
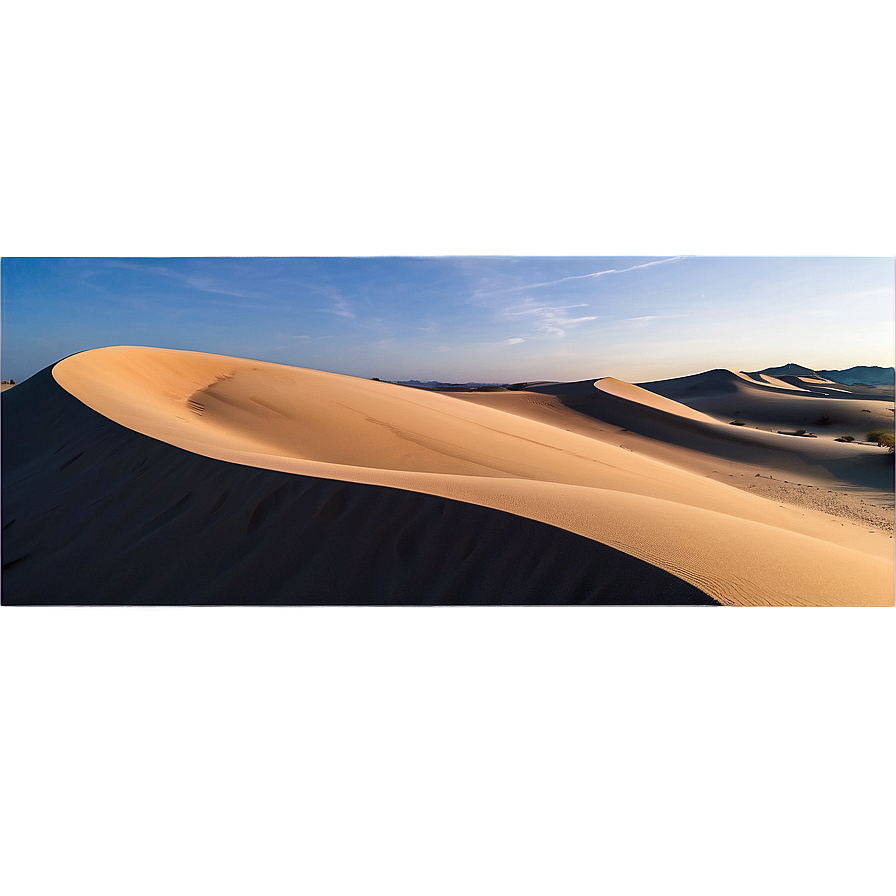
x=141, y=475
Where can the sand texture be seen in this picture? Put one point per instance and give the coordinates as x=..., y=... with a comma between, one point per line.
x=138, y=475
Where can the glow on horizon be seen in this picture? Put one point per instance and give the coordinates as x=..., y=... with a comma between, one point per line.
x=460, y=319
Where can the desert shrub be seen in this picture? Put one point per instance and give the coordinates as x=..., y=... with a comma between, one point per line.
x=845, y=439
x=824, y=420
x=738, y=423
x=884, y=438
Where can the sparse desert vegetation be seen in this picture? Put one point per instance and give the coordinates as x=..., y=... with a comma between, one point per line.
x=884, y=438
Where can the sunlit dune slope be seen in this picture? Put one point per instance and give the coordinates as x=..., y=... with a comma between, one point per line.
x=781, y=384
x=734, y=546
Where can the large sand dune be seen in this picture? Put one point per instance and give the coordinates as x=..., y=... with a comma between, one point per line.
x=203, y=478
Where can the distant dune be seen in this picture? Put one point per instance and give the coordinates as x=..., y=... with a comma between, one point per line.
x=138, y=475
x=779, y=402
x=851, y=375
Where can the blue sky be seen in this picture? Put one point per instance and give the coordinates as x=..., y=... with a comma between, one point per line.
x=459, y=318
x=490, y=190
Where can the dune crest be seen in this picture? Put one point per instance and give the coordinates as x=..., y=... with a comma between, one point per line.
x=629, y=392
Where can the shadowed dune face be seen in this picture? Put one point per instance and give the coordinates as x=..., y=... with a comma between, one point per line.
x=529, y=457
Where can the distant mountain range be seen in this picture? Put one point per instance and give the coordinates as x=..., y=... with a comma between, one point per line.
x=435, y=384
x=869, y=376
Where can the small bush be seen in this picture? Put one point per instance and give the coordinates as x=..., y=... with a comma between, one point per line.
x=884, y=438
x=738, y=423
x=845, y=439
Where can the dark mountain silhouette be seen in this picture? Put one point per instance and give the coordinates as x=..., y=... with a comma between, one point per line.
x=870, y=376
x=786, y=370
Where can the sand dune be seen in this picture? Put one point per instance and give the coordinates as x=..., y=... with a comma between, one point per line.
x=782, y=384
x=648, y=399
x=95, y=513
x=674, y=433
x=727, y=395
x=189, y=434
x=764, y=379
x=830, y=389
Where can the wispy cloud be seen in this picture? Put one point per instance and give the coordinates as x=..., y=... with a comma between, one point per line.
x=340, y=307
x=552, y=319
x=591, y=276
x=513, y=341
x=193, y=281
x=647, y=317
